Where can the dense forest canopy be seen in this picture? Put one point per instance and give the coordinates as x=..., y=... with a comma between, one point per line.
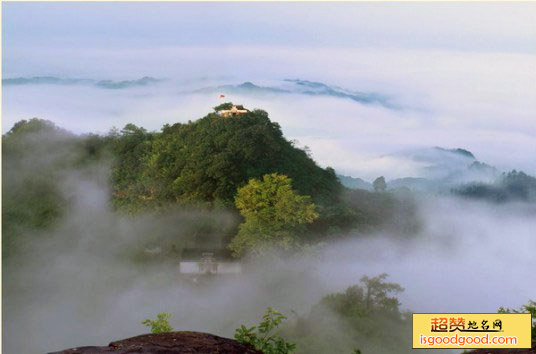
x=198, y=164
x=209, y=159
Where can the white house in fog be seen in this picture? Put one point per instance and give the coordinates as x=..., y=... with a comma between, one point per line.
x=208, y=261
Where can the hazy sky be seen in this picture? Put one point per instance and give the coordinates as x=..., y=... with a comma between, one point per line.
x=464, y=73
x=44, y=38
x=494, y=26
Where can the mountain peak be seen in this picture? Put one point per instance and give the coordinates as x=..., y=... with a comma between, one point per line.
x=248, y=84
x=459, y=151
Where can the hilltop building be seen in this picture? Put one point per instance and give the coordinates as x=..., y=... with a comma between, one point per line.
x=233, y=111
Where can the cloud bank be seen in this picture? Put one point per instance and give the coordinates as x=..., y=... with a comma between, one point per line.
x=74, y=286
x=482, y=102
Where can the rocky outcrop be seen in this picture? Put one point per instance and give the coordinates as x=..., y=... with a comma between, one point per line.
x=505, y=351
x=172, y=342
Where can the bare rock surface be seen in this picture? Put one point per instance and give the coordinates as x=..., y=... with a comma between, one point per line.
x=504, y=351
x=172, y=342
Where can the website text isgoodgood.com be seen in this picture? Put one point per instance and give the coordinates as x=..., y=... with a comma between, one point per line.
x=467, y=340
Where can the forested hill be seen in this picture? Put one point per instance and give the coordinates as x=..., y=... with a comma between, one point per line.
x=201, y=164
x=209, y=159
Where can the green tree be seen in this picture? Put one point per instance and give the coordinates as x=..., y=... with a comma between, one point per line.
x=365, y=316
x=374, y=295
x=225, y=105
x=274, y=214
x=528, y=308
x=379, y=184
x=132, y=188
x=264, y=336
x=160, y=325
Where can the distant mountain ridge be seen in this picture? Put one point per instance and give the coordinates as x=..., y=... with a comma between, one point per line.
x=458, y=172
x=511, y=186
x=106, y=84
x=354, y=182
x=281, y=87
x=243, y=88
x=312, y=88
x=442, y=169
x=302, y=87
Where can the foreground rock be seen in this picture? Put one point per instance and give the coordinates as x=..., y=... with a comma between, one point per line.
x=172, y=342
x=505, y=351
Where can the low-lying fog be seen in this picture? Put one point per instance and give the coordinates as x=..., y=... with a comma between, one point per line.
x=72, y=288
